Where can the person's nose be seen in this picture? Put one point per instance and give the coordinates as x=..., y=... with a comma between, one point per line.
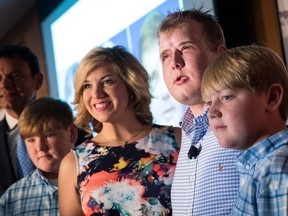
x=214, y=111
x=177, y=60
x=41, y=144
x=99, y=92
x=5, y=81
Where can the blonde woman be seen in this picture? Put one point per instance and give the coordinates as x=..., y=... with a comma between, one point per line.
x=128, y=168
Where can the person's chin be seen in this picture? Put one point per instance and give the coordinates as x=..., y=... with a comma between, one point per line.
x=224, y=143
x=46, y=167
x=228, y=145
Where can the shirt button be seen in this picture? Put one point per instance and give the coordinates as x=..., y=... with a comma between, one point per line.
x=190, y=178
x=188, y=211
x=247, y=167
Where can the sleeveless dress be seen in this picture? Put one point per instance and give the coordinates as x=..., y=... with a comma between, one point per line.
x=131, y=180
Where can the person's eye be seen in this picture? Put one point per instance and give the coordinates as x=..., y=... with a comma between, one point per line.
x=163, y=57
x=208, y=103
x=15, y=76
x=227, y=97
x=86, y=85
x=51, y=134
x=30, y=140
x=189, y=47
x=185, y=47
x=108, y=82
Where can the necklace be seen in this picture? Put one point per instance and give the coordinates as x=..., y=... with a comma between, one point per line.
x=121, y=141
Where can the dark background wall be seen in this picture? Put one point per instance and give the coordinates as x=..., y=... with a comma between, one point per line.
x=246, y=22
x=46, y=7
x=237, y=20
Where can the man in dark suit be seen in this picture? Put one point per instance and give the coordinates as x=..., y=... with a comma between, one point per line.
x=20, y=78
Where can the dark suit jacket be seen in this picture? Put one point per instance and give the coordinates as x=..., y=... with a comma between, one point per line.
x=7, y=172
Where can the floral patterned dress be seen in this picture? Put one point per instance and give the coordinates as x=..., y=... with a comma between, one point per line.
x=131, y=180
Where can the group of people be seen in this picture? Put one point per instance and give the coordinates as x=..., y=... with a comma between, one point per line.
x=228, y=157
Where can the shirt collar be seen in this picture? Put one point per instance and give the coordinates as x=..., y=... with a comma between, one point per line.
x=260, y=150
x=188, y=121
x=11, y=121
x=53, y=184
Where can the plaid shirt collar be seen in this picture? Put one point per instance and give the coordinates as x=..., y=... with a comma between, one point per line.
x=195, y=128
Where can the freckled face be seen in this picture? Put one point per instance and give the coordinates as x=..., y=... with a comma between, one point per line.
x=105, y=96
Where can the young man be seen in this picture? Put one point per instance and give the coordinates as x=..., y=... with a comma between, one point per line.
x=247, y=90
x=46, y=125
x=206, y=180
x=20, y=79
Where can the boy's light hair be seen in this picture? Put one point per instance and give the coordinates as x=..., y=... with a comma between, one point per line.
x=250, y=67
x=43, y=115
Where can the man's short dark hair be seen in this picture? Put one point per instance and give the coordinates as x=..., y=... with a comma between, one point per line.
x=23, y=52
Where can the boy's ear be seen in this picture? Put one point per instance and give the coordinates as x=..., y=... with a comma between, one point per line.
x=73, y=133
x=274, y=97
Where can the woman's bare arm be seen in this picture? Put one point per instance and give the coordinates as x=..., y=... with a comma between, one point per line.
x=69, y=198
